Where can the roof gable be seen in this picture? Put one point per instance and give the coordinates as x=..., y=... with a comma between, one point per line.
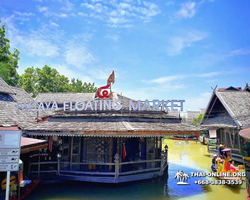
x=5, y=88
x=235, y=104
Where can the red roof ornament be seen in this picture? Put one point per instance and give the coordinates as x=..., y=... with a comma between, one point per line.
x=105, y=94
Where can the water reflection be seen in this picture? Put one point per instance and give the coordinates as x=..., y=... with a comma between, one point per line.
x=188, y=158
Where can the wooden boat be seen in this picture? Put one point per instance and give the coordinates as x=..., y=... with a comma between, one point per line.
x=24, y=191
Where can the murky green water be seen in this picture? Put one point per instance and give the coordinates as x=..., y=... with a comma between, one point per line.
x=189, y=158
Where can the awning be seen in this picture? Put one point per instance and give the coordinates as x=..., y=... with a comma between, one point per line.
x=30, y=144
x=111, y=129
x=245, y=133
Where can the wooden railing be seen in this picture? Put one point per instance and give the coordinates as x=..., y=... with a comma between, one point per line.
x=116, y=169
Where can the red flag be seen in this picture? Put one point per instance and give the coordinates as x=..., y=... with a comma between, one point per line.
x=124, y=152
x=50, y=143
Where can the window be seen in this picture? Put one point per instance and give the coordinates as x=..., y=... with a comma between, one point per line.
x=5, y=97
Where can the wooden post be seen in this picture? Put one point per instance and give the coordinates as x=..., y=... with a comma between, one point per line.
x=39, y=165
x=58, y=163
x=162, y=163
x=116, y=166
x=165, y=156
x=71, y=152
x=18, y=197
x=29, y=168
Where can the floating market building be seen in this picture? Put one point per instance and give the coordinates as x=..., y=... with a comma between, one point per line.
x=111, y=143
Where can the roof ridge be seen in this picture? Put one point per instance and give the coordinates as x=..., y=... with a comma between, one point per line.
x=6, y=86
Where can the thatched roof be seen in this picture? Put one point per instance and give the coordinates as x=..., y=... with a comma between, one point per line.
x=228, y=108
x=9, y=114
x=21, y=95
x=109, y=129
x=5, y=88
x=222, y=120
x=61, y=97
x=237, y=103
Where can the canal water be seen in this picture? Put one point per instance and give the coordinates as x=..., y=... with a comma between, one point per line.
x=192, y=157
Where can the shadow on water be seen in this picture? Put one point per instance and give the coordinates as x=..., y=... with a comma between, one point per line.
x=157, y=188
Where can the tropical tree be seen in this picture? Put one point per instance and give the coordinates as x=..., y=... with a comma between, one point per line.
x=78, y=86
x=197, y=121
x=8, y=60
x=28, y=80
x=48, y=79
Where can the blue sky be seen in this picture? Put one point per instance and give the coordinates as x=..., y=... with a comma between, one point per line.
x=158, y=49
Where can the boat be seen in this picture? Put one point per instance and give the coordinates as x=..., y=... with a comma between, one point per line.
x=227, y=179
x=230, y=180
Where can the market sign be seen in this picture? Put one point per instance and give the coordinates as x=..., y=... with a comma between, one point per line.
x=104, y=103
x=155, y=105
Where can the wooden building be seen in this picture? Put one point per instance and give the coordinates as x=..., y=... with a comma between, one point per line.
x=227, y=113
x=98, y=146
x=105, y=146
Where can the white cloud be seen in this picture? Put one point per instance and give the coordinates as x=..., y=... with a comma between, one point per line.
x=209, y=59
x=102, y=72
x=152, y=10
x=48, y=13
x=240, y=51
x=170, y=79
x=121, y=14
x=197, y=102
x=167, y=79
x=209, y=74
x=84, y=37
x=23, y=16
x=96, y=7
x=68, y=6
x=113, y=37
x=178, y=43
x=33, y=43
x=117, y=20
x=29, y=14
x=66, y=71
x=54, y=24
x=42, y=9
x=61, y=15
x=187, y=10
x=82, y=14
x=41, y=47
x=78, y=56
x=125, y=6
x=168, y=87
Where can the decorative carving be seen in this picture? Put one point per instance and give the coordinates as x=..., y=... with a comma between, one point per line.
x=102, y=92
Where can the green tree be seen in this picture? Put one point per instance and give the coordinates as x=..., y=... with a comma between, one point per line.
x=4, y=72
x=28, y=80
x=8, y=60
x=48, y=79
x=78, y=86
x=197, y=120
